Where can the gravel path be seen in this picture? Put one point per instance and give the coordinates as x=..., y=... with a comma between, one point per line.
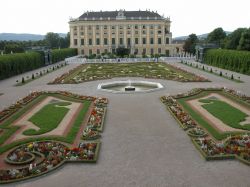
x=142, y=144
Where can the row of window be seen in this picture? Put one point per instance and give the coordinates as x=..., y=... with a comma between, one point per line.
x=136, y=51
x=97, y=27
x=121, y=32
x=121, y=41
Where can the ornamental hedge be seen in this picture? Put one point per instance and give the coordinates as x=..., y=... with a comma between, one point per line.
x=61, y=54
x=14, y=64
x=238, y=61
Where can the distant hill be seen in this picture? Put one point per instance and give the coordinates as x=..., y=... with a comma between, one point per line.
x=24, y=36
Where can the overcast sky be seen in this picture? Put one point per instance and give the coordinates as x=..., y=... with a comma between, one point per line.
x=187, y=16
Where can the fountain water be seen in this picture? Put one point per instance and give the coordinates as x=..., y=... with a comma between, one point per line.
x=129, y=87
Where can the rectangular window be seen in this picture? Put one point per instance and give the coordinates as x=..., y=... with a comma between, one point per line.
x=113, y=41
x=105, y=41
x=159, y=50
x=97, y=41
x=121, y=41
x=143, y=32
x=90, y=52
x=82, y=33
x=167, y=52
x=90, y=41
x=82, y=28
x=105, y=51
x=75, y=41
x=113, y=27
x=136, y=51
x=97, y=27
x=159, y=40
x=144, y=26
x=136, y=32
x=105, y=27
x=152, y=51
x=129, y=42
x=82, y=41
x=89, y=27
x=82, y=52
x=144, y=51
x=151, y=40
x=167, y=40
x=136, y=26
x=143, y=40
x=136, y=40
x=159, y=32
x=98, y=51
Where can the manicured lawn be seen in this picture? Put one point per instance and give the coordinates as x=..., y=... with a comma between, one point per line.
x=226, y=113
x=89, y=72
x=48, y=118
x=69, y=138
x=200, y=120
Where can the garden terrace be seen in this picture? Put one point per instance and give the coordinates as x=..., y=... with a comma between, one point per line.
x=43, y=130
x=214, y=119
x=89, y=72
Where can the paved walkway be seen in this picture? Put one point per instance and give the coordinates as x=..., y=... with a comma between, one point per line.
x=142, y=145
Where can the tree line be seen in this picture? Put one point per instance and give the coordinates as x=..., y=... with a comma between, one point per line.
x=14, y=64
x=239, y=39
x=51, y=40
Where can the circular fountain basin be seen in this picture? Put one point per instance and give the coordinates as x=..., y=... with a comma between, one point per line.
x=129, y=86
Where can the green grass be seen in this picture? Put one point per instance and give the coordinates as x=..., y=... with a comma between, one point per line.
x=69, y=138
x=48, y=118
x=200, y=120
x=143, y=69
x=228, y=114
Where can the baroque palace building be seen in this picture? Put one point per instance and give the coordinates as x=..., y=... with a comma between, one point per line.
x=143, y=32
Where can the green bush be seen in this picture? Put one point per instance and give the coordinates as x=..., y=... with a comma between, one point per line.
x=61, y=54
x=238, y=61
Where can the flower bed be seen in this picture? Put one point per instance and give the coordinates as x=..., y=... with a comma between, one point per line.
x=197, y=132
x=96, y=118
x=90, y=72
x=37, y=156
x=234, y=146
x=90, y=134
x=55, y=154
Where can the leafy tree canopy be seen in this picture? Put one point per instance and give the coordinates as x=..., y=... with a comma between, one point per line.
x=216, y=36
x=189, y=45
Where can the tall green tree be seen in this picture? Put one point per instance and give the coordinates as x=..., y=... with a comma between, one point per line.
x=217, y=36
x=64, y=42
x=244, y=43
x=232, y=40
x=190, y=43
x=52, y=40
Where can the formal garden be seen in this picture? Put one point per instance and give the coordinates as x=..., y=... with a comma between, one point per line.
x=216, y=119
x=153, y=70
x=42, y=131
